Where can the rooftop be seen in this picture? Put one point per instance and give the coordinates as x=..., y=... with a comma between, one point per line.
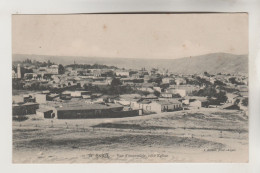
x=168, y=102
x=197, y=98
x=89, y=107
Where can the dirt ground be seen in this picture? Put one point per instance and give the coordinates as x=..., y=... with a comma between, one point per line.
x=204, y=135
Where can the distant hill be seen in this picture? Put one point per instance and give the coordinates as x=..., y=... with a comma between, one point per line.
x=212, y=63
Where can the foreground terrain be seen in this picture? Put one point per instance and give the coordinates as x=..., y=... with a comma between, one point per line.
x=204, y=135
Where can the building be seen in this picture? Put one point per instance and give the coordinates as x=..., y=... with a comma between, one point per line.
x=53, y=69
x=122, y=73
x=94, y=111
x=157, y=106
x=180, y=81
x=140, y=104
x=18, y=99
x=157, y=89
x=14, y=75
x=25, y=108
x=166, y=95
x=45, y=113
x=97, y=72
x=147, y=89
x=79, y=93
x=40, y=98
x=244, y=94
x=164, y=106
x=51, y=97
x=168, y=81
x=231, y=98
x=28, y=98
x=196, y=101
x=181, y=92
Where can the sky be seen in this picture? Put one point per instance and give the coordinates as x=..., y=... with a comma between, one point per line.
x=166, y=36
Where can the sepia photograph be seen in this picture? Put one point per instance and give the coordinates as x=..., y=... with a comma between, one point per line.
x=130, y=88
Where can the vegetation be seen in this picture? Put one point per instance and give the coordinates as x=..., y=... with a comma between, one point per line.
x=17, y=84
x=234, y=81
x=157, y=80
x=61, y=69
x=157, y=93
x=29, y=62
x=245, y=102
x=88, y=66
x=23, y=70
x=219, y=83
x=114, y=89
x=214, y=96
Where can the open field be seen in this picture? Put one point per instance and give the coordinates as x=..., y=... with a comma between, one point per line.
x=204, y=135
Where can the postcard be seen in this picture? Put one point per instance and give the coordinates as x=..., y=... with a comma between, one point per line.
x=130, y=88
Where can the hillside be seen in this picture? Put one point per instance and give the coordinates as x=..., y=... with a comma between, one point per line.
x=212, y=63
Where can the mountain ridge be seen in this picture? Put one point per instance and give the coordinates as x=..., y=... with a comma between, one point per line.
x=212, y=63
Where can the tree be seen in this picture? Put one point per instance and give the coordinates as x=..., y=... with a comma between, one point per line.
x=61, y=69
x=157, y=93
x=211, y=92
x=221, y=97
x=157, y=80
x=145, y=93
x=115, y=86
x=206, y=74
x=236, y=102
x=17, y=84
x=234, y=81
x=245, y=102
x=202, y=81
x=49, y=63
x=115, y=82
x=219, y=83
x=176, y=96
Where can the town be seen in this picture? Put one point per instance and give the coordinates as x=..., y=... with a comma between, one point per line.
x=77, y=91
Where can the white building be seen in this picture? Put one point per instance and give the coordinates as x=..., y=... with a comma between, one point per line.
x=122, y=73
x=40, y=98
x=53, y=69
x=168, y=80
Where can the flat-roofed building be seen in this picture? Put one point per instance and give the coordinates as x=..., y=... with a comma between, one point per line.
x=40, y=98
x=164, y=106
x=25, y=109
x=45, y=113
x=94, y=111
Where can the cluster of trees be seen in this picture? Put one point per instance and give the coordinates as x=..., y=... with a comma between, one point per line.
x=219, y=83
x=214, y=96
x=88, y=66
x=37, y=86
x=114, y=89
x=157, y=80
x=245, y=102
x=23, y=70
x=234, y=81
x=61, y=69
x=37, y=63
x=198, y=81
x=17, y=84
